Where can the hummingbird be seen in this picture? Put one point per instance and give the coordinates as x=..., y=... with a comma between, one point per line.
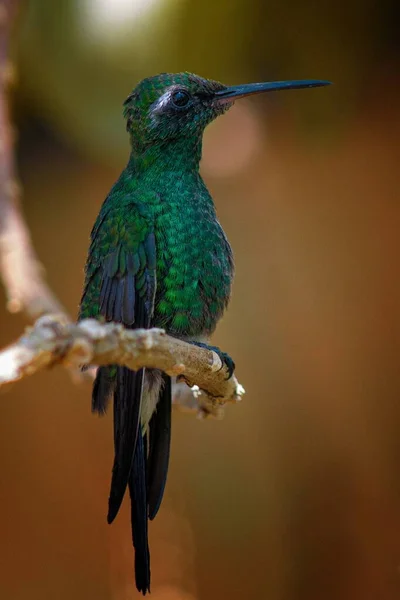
x=158, y=257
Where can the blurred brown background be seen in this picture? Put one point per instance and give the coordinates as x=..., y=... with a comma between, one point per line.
x=296, y=494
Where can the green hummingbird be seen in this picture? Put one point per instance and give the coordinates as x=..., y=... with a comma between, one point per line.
x=159, y=257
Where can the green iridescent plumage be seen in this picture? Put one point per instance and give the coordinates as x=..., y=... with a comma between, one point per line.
x=161, y=191
x=158, y=258
x=193, y=262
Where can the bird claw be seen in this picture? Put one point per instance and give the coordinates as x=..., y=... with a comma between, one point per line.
x=226, y=360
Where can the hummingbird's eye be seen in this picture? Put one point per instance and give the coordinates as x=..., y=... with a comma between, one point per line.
x=180, y=98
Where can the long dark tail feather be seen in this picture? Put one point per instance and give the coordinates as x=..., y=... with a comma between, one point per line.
x=103, y=389
x=127, y=402
x=160, y=441
x=137, y=490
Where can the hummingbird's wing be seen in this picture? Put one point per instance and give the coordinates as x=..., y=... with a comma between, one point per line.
x=159, y=447
x=127, y=296
x=120, y=286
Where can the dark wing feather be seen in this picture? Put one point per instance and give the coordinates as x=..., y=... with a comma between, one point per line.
x=120, y=286
x=103, y=389
x=160, y=441
x=122, y=300
x=127, y=402
x=93, y=267
x=137, y=491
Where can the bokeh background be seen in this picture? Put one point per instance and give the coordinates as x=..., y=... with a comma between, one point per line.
x=295, y=495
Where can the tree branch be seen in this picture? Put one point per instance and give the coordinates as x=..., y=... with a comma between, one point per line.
x=20, y=269
x=54, y=340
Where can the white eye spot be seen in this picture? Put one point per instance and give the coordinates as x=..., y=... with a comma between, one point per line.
x=162, y=101
x=159, y=106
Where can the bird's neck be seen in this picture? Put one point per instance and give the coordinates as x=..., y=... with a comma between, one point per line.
x=171, y=156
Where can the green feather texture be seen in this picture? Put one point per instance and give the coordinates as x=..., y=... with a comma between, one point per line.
x=160, y=193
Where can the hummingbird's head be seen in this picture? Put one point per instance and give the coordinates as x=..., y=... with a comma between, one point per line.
x=176, y=106
x=170, y=106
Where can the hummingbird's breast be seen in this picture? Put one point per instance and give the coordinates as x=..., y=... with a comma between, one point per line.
x=194, y=262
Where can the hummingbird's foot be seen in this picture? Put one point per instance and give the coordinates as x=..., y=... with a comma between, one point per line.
x=226, y=360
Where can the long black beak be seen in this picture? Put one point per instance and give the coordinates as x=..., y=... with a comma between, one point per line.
x=230, y=94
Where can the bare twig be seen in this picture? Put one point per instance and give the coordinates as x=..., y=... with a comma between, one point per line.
x=53, y=340
x=20, y=269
